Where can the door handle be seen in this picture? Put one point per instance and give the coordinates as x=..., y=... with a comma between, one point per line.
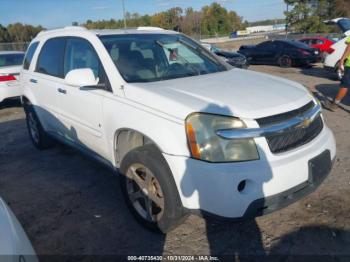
x=63, y=91
x=34, y=81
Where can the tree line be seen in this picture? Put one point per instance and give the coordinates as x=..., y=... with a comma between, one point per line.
x=303, y=16
x=308, y=16
x=18, y=32
x=210, y=20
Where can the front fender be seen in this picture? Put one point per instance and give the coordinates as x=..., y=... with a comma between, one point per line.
x=167, y=133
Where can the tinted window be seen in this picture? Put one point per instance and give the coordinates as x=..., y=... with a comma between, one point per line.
x=305, y=41
x=156, y=57
x=297, y=44
x=11, y=59
x=51, y=57
x=81, y=54
x=265, y=44
x=29, y=55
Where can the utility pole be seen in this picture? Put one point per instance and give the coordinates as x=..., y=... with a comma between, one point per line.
x=124, y=15
x=287, y=20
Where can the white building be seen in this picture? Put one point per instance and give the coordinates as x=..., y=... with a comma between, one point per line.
x=265, y=28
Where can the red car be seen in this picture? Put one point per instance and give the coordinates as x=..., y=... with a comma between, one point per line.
x=319, y=42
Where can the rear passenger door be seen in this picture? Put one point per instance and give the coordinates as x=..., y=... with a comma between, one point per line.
x=81, y=107
x=46, y=81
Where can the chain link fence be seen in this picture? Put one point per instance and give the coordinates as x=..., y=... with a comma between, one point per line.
x=13, y=46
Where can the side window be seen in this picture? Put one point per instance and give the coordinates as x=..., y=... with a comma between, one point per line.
x=81, y=54
x=264, y=45
x=50, y=60
x=29, y=55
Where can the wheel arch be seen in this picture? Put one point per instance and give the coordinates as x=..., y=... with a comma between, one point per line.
x=127, y=139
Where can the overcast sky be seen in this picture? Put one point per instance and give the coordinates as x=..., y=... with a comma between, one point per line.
x=57, y=13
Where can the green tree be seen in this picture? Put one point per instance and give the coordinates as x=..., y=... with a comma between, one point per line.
x=4, y=35
x=210, y=20
x=308, y=16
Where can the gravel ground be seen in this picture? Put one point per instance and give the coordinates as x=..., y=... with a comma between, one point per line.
x=70, y=205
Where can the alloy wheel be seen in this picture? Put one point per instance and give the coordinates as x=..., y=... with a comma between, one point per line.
x=145, y=193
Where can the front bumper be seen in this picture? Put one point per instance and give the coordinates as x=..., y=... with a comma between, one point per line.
x=271, y=183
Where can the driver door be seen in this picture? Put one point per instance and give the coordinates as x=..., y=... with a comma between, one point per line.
x=82, y=107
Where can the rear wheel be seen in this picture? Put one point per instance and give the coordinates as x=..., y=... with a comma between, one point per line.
x=36, y=132
x=149, y=189
x=285, y=61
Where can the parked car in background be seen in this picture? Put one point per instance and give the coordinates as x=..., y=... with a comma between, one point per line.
x=14, y=243
x=318, y=42
x=187, y=132
x=331, y=61
x=10, y=67
x=233, y=58
x=285, y=53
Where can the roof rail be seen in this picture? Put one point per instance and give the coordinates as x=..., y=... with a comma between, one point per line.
x=80, y=28
x=149, y=28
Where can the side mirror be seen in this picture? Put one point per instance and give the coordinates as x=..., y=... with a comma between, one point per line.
x=81, y=77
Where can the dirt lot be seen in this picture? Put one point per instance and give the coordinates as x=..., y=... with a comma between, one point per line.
x=70, y=205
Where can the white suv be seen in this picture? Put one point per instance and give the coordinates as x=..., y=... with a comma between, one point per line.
x=187, y=132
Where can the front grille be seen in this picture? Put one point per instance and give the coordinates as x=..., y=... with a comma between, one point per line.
x=270, y=120
x=293, y=139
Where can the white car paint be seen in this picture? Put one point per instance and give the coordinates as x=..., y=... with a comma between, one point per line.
x=14, y=242
x=332, y=60
x=94, y=118
x=9, y=89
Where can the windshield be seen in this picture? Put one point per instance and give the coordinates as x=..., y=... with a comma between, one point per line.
x=11, y=59
x=156, y=57
x=214, y=48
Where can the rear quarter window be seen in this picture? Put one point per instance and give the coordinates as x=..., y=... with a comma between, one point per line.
x=51, y=57
x=29, y=55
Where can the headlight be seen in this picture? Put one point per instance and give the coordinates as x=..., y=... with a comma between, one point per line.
x=316, y=100
x=206, y=145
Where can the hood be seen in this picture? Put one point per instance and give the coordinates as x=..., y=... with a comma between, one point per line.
x=13, y=240
x=240, y=93
x=247, y=47
x=342, y=23
x=230, y=54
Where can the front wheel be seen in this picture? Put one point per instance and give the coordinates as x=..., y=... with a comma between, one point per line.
x=150, y=190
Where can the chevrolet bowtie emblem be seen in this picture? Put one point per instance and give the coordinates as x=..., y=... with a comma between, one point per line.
x=305, y=123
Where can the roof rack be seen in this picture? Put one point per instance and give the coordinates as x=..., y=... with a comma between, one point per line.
x=150, y=28
x=55, y=30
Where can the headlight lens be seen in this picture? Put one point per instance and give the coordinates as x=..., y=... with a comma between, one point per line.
x=206, y=145
x=316, y=100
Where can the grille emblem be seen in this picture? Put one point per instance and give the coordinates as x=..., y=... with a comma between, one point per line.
x=306, y=122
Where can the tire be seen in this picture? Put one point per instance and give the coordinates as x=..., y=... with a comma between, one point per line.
x=37, y=134
x=285, y=61
x=144, y=164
